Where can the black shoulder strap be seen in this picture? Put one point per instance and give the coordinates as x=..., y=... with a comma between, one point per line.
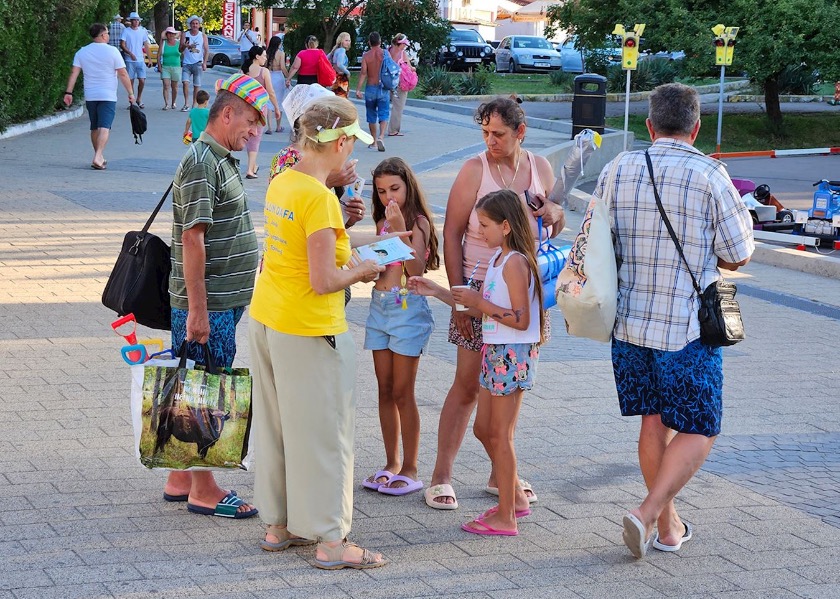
x=668, y=224
x=157, y=208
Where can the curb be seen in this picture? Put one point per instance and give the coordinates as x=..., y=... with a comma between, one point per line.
x=786, y=98
x=43, y=122
x=611, y=97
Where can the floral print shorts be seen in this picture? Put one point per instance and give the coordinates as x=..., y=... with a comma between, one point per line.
x=508, y=367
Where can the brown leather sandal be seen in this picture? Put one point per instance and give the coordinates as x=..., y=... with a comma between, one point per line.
x=286, y=539
x=335, y=554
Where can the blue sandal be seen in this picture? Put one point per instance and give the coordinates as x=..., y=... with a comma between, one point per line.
x=228, y=507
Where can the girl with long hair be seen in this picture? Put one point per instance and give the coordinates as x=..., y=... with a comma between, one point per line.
x=276, y=63
x=254, y=67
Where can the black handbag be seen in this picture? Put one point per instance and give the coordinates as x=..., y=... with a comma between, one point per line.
x=139, y=281
x=719, y=314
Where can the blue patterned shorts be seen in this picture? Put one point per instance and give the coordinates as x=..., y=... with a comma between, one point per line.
x=685, y=388
x=222, y=340
x=508, y=367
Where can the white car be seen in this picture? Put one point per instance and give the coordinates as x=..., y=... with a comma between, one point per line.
x=527, y=53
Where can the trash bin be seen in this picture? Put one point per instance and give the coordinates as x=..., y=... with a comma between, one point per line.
x=589, y=104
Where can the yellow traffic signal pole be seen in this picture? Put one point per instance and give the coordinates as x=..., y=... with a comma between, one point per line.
x=629, y=61
x=724, y=51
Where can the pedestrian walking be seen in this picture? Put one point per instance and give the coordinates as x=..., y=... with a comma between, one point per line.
x=115, y=31
x=135, y=44
x=195, y=48
x=255, y=67
x=663, y=372
x=102, y=66
x=398, y=96
x=169, y=65
x=247, y=40
x=338, y=59
x=377, y=98
x=305, y=65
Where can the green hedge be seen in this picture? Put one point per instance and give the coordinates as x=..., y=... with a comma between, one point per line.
x=39, y=39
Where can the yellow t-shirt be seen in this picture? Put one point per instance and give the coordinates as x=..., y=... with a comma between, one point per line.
x=297, y=206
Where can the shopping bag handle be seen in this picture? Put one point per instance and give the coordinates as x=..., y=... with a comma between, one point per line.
x=209, y=364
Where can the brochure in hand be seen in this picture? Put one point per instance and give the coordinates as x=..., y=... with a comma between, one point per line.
x=383, y=252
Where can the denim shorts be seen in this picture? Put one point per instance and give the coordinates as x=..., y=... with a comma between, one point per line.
x=685, y=387
x=101, y=113
x=136, y=69
x=508, y=367
x=377, y=104
x=404, y=332
x=222, y=339
x=192, y=72
x=171, y=73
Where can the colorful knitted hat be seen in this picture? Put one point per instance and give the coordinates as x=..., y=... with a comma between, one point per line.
x=249, y=89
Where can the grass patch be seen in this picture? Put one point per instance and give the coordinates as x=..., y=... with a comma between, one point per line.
x=750, y=132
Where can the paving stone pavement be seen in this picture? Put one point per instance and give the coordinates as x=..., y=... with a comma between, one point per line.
x=81, y=518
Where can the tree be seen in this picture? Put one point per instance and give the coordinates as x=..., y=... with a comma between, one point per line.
x=774, y=34
x=324, y=19
x=418, y=19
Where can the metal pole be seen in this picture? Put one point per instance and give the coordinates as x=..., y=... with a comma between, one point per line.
x=720, y=110
x=626, y=110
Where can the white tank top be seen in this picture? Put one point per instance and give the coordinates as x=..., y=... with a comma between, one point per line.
x=495, y=290
x=194, y=53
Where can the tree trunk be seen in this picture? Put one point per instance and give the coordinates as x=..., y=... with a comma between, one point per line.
x=161, y=18
x=771, y=101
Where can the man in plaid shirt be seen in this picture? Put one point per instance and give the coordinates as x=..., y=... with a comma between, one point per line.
x=115, y=31
x=663, y=372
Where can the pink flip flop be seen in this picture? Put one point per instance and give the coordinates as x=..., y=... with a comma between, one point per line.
x=518, y=514
x=488, y=530
x=410, y=486
x=370, y=483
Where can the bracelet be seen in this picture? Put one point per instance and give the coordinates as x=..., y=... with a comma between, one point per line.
x=68, y=93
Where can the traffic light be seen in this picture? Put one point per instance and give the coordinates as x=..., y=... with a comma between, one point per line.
x=629, y=45
x=724, y=44
x=730, y=34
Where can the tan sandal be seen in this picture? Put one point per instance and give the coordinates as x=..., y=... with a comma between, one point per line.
x=335, y=554
x=286, y=539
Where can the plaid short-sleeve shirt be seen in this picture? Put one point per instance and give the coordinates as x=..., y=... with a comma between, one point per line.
x=657, y=303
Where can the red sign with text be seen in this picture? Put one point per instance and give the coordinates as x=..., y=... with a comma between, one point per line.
x=229, y=19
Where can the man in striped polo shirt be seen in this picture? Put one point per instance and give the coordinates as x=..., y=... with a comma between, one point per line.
x=214, y=259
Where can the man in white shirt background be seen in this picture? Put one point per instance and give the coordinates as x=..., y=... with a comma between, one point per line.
x=102, y=65
x=194, y=50
x=135, y=40
x=247, y=40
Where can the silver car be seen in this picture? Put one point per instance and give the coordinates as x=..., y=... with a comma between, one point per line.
x=223, y=51
x=526, y=53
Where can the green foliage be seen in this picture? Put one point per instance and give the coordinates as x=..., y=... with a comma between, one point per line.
x=797, y=79
x=596, y=62
x=476, y=83
x=774, y=34
x=565, y=81
x=40, y=38
x=649, y=74
x=324, y=19
x=418, y=19
x=437, y=81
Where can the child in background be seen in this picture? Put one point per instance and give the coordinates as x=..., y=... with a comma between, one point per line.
x=400, y=324
x=510, y=304
x=198, y=117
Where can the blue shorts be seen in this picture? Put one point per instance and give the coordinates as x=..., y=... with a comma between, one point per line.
x=101, y=114
x=508, y=367
x=377, y=104
x=222, y=339
x=191, y=73
x=404, y=332
x=685, y=388
x=136, y=69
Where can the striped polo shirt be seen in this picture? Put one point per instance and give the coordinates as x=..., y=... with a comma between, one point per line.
x=208, y=189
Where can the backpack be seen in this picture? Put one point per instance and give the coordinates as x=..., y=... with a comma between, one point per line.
x=138, y=123
x=326, y=72
x=389, y=73
x=408, y=78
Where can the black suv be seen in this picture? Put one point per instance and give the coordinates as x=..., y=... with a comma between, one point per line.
x=465, y=49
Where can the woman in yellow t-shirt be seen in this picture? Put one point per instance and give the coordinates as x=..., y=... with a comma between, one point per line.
x=304, y=358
